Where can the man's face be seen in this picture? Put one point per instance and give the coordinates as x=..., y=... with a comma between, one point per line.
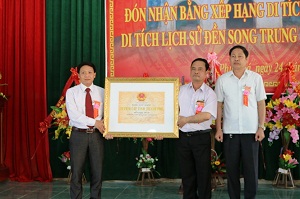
x=198, y=71
x=86, y=75
x=238, y=59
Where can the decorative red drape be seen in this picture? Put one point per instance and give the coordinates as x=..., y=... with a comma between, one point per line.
x=23, y=67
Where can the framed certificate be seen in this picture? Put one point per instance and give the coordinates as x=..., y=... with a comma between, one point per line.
x=141, y=107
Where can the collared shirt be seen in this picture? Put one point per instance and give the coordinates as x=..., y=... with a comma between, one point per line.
x=188, y=98
x=75, y=104
x=238, y=118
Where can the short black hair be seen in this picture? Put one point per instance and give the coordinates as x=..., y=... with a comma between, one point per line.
x=203, y=60
x=240, y=47
x=86, y=63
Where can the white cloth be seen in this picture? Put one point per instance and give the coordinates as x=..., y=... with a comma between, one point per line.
x=238, y=118
x=187, y=105
x=75, y=104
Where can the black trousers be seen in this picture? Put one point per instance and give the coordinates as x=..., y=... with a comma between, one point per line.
x=241, y=149
x=82, y=145
x=195, y=167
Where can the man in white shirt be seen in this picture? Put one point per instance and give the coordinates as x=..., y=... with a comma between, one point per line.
x=241, y=103
x=197, y=109
x=84, y=104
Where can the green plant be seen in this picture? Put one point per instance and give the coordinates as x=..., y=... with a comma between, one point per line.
x=286, y=161
x=66, y=158
x=146, y=161
x=217, y=164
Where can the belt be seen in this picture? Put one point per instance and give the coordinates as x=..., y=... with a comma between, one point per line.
x=194, y=133
x=229, y=135
x=89, y=130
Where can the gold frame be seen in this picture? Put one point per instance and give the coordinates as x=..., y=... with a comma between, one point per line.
x=114, y=87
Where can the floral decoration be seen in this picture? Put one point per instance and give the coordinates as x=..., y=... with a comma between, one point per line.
x=286, y=161
x=217, y=164
x=150, y=140
x=58, y=117
x=214, y=69
x=283, y=116
x=146, y=161
x=2, y=95
x=66, y=158
x=61, y=120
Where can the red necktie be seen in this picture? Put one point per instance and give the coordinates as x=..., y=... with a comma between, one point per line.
x=89, y=111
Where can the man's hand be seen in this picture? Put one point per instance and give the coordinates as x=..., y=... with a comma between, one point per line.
x=181, y=121
x=100, y=126
x=108, y=137
x=159, y=137
x=219, y=135
x=259, y=135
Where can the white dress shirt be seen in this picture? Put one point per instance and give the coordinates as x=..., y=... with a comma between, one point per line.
x=188, y=98
x=75, y=104
x=238, y=118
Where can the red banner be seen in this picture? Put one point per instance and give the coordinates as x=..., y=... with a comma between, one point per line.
x=161, y=38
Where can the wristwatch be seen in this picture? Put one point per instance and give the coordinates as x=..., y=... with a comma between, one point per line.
x=262, y=126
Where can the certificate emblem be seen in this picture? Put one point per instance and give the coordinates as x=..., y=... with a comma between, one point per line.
x=141, y=97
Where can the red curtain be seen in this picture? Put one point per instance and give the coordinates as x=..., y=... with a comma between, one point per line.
x=23, y=67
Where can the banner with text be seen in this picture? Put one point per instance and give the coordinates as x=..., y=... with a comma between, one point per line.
x=162, y=37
